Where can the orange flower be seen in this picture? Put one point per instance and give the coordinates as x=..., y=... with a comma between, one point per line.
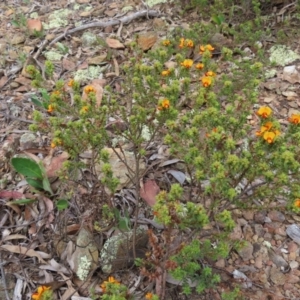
x=189, y=43
x=40, y=291
x=71, y=82
x=165, y=104
x=210, y=73
x=166, y=73
x=199, y=66
x=181, y=43
x=269, y=136
x=89, y=89
x=206, y=81
x=213, y=130
x=297, y=203
x=149, y=296
x=264, y=112
x=166, y=42
x=264, y=128
x=187, y=63
x=50, y=108
x=208, y=47
x=294, y=119
x=111, y=279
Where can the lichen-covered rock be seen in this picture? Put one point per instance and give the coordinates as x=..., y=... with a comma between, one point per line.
x=117, y=251
x=281, y=55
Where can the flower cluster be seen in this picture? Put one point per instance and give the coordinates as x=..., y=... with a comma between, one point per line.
x=207, y=47
x=294, y=119
x=267, y=131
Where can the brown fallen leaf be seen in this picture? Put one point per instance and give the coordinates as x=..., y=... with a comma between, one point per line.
x=25, y=251
x=34, y=25
x=146, y=40
x=115, y=44
x=55, y=164
x=149, y=191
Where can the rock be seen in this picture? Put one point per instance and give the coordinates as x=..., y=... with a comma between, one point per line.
x=292, y=247
x=236, y=234
x=28, y=140
x=116, y=253
x=260, y=217
x=293, y=231
x=85, y=257
x=258, y=262
x=271, y=227
x=294, y=264
x=277, y=277
x=246, y=251
x=259, y=230
x=248, y=232
x=220, y=263
x=276, y=216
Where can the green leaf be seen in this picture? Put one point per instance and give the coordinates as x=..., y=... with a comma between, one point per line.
x=27, y=167
x=36, y=183
x=45, y=95
x=22, y=201
x=62, y=204
x=35, y=100
x=46, y=185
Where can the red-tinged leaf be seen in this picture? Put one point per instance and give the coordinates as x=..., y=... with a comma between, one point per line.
x=149, y=191
x=55, y=164
x=11, y=195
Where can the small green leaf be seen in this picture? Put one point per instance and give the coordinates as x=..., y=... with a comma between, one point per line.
x=45, y=94
x=46, y=185
x=22, y=201
x=27, y=167
x=62, y=204
x=35, y=100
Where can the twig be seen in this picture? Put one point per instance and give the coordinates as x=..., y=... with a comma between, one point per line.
x=124, y=20
x=3, y=279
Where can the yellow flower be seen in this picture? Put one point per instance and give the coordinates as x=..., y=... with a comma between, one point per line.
x=206, y=81
x=181, y=43
x=269, y=136
x=294, y=119
x=50, y=108
x=40, y=291
x=53, y=145
x=297, y=203
x=71, y=82
x=84, y=109
x=199, y=66
x=149, y=296
x=89, y=89
x=187, y=63
x=166, y=42
x=189, y=43
x=264, y=112
x=210, y=73
x=165, y=104
x=166, y=73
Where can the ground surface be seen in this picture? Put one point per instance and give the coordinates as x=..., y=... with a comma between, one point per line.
x=38, y=226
